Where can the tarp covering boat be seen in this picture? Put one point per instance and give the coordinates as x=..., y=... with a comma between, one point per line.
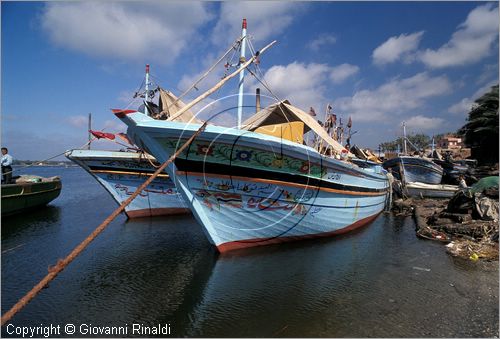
x=283, y=112
x=169, y=105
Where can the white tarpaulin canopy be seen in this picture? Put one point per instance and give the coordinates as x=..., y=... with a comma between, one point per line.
x=167, y=99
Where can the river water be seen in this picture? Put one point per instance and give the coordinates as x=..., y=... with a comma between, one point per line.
x=379, y=281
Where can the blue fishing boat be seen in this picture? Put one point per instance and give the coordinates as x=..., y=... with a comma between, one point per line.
x=121, y=173
x=259, y=183
x=248, y=189
x=414, y=169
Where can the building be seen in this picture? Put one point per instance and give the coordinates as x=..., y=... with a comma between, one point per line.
x=449, y=142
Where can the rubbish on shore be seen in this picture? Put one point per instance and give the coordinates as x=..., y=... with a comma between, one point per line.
x=473, y=250
x=485, y=184
x=428, y=233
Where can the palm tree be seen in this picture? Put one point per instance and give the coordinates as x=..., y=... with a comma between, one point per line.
x=481, y=129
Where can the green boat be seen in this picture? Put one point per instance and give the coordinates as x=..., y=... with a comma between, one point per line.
x=29, y=192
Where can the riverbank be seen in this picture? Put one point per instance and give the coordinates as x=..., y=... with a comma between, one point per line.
x=467, y=223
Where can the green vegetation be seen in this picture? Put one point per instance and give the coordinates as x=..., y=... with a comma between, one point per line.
x=421, y=141
x=481, y=130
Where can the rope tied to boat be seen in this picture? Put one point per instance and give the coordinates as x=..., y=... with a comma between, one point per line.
x=62, y=263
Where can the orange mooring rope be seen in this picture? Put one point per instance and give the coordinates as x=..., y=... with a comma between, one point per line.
x=62, y=263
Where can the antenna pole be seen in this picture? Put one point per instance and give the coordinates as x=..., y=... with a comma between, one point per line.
x=147, y=90
x=242, y=74
x=404, y=138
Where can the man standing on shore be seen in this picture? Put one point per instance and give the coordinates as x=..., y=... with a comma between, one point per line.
x=6, y=163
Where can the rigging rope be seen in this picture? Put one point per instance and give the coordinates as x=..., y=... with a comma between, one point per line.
x=204, y=75
x=55, y=156
x=62, y=263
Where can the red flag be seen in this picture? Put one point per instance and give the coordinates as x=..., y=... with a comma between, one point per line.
x=103, y=135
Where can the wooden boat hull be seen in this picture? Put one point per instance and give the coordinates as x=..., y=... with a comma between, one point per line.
x=121, y=173
x=416, y=189
x=19, y=197
x=249, y=189
x=415, y=169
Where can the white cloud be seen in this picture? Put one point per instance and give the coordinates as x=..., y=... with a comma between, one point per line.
x=473, y=40
x=322, y=40
x=395, y=97
x=420, y=122
x=462, y=107
x=396, y=48
x=308, y=85
x=78, y=121
x=489, y=72
x=342, y=72
x=484, y=89
x=265, y=19
x=124, y=30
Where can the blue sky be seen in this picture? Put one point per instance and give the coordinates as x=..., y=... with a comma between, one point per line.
x=379, y=62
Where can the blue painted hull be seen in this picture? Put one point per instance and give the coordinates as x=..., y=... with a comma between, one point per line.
x=415, y=169
x=121, y=173
x=249, y=189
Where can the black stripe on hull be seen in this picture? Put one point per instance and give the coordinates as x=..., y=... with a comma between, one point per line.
x=220, y=169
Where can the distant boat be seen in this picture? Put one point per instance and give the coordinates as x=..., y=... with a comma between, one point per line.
x=121, y=173
x=414, y=169
x=418, y=189
x=29, y=192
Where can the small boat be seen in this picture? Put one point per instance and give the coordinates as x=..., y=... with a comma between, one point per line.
x=418, y=189
x=452, y=170
x=29, y=192
x=414, y=169
x=121, y=173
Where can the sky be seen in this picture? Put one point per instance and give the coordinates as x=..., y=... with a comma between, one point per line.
x=380, y=63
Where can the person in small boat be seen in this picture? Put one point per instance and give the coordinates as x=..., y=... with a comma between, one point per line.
x=461, y=182
x=6, y=162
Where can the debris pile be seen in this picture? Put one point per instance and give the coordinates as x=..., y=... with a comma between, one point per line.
x=468, y=221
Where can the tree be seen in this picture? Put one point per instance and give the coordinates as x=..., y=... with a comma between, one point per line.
x=421, y=141
x=481, y=130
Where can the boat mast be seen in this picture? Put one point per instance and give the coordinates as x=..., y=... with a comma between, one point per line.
x=147, y=90
x=404, y=138
x=242, y=74
x=90, y=128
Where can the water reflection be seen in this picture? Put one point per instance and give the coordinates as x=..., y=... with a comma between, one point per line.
x=33, y=220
